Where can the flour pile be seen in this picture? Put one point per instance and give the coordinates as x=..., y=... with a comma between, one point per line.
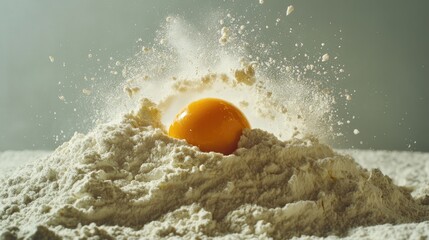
x=130, y=180
x=126, y=179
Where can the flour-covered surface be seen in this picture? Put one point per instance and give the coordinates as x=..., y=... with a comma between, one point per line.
x=128, y=179
x=400, y=166
x=10, y=160
x=409, y=169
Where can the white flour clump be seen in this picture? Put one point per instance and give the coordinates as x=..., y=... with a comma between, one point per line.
x=225, y=36
x=325, y=57
x=289, y=10
x=130, y=180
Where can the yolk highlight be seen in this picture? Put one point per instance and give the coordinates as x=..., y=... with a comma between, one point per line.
x=210, y=124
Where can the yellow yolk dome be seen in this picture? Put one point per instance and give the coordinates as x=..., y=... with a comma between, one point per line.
x=210, y=124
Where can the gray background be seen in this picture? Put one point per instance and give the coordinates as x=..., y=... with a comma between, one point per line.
x=384, y=47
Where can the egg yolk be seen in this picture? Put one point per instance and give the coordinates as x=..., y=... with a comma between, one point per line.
x=210, y=124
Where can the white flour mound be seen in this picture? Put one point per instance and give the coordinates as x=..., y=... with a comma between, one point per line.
x=130, y=180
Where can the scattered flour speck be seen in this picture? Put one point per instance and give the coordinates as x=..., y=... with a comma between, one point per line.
x=325, y=57
x=289, y=10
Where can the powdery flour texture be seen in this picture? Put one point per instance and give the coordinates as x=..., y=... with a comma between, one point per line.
x=128, y=179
